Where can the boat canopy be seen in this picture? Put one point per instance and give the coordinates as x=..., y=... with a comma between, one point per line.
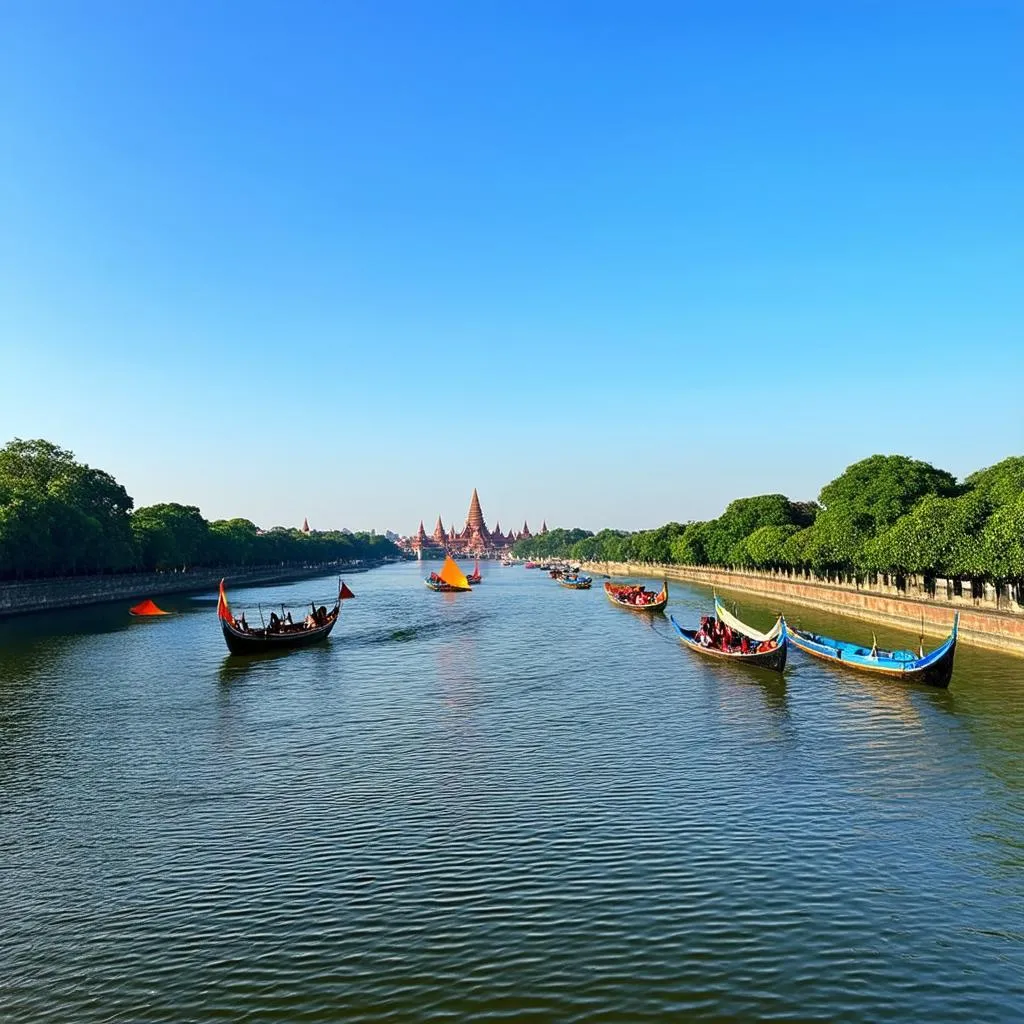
x=741, y=627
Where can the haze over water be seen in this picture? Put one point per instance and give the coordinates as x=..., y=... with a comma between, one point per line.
x=515, y=804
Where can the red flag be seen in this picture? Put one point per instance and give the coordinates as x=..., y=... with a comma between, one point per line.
x=344, y=594
x=223, y=611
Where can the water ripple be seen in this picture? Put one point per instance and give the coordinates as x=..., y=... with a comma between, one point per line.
x=517, y=804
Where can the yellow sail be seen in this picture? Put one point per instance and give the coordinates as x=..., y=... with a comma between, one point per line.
x=452, y=575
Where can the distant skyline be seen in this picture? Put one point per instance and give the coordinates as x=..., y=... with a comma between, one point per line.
x=610, y=264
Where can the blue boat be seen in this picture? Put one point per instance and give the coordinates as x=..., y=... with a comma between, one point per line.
x=934, y=668
x=575, y=582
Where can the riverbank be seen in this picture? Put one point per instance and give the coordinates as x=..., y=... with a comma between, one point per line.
x=74, y=592
x=996, y=628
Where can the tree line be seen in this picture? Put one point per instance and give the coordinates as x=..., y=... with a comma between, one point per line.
x=60, y=517
x=885, y=514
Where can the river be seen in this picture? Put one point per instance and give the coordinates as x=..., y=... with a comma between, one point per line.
x=516, y=804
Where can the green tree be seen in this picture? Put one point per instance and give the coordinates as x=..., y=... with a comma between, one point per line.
x=1000, y=484
x=938, y=537
x=170, y=535
x=1002, y=543
x=765, y=547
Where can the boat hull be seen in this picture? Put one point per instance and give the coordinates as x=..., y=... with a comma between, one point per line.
x=575, y=584
x=610, y=590
x=261, y=642
x=934, y=669
x=774, y=660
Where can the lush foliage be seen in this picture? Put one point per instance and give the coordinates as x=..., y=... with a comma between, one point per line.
x=884, y=514
x=58, y=516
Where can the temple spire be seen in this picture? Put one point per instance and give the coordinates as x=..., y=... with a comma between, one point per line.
x=475, y=519
x=305, y=525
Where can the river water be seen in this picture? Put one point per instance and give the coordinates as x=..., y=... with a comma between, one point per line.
x=515, y=804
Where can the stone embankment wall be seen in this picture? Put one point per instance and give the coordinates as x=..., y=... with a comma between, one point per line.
x=993, y=618
x=47, y=595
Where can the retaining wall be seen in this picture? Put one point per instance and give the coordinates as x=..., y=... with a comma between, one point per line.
x=72, y=592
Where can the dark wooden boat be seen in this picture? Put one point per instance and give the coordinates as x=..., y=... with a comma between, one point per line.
x=279, y=636
x=934, y=668
x=575, y=582
x=474, y=577
x=770, y=653
x=623, y=595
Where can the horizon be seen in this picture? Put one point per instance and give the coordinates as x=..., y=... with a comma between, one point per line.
x=611, y=269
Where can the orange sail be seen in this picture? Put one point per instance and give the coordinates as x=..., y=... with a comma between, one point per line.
x=146, y=608
x=452, y=575
x=223, y=611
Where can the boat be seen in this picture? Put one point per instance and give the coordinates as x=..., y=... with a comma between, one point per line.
x=934, y=668
x=507, y=563
x=449, y=580
x=624, y=595
x=765, y=650
x=575, y=582
x=281, y=634
x=556, y=574
x=531, y=565
x=474, y=577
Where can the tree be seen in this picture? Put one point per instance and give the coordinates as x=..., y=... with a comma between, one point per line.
x=1002, y=543
x=766, y=545
x=1000, y=484
x=171, y=535
x=59, y=514
x=873, y=493
x=938, y=537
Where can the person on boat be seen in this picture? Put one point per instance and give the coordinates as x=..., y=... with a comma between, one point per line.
x=309, y=622
x=275, y=623
x=744, y=646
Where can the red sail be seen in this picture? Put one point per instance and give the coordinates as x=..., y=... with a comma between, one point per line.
x=344, y=594
x=223, y=611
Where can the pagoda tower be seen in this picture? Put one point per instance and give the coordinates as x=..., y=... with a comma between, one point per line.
x=439, y=532
x=475, y=519
x=543, y=527
x=305, y=525
x=525, y=533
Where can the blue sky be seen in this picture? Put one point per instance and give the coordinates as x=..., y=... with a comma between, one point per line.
x=612, y=264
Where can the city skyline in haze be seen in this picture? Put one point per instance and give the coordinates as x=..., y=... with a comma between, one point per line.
x=610, y=266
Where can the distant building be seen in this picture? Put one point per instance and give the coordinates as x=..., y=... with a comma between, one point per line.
x=305, y=525
x=474, y=538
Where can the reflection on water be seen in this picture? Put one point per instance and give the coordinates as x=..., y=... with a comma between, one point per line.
x=518, y=803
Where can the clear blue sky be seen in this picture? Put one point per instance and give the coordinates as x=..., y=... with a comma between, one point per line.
x=613, y=264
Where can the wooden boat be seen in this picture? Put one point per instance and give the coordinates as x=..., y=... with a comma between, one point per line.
x=531, y=565
x=575, y=582
x=623, y=595
x=768, y=650
x=556, y=574
x=474, y=577
x=449, y=580
x=281, y=634
x=934, y=668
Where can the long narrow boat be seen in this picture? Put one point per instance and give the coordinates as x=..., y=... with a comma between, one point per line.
x=623, y=595
x=449, y=580
x=768, y=652
x=474, y=577
x=281, y=634
x=575, y=582
x=934, y=668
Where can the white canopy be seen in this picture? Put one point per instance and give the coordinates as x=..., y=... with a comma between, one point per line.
x=741, y=627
